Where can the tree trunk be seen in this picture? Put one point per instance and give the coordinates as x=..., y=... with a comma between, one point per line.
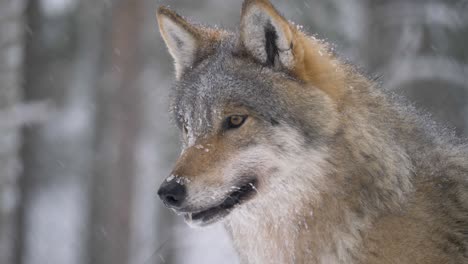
x=62, y=66
x=118, y=126
x=11, y=56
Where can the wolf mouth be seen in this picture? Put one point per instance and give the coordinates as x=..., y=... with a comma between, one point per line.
x=210, y=215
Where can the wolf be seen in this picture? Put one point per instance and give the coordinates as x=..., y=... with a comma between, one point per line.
x=302, y=158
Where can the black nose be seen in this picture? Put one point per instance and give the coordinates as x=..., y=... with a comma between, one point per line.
x=172, y=193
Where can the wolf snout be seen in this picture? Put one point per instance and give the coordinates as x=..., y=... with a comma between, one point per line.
x=172, y=193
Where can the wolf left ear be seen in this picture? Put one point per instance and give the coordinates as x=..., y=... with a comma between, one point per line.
x=187, y=43
x=266, y=35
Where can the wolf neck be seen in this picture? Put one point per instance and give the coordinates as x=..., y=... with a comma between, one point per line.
x=319, y=227
x=325, y=225
x=327, y=233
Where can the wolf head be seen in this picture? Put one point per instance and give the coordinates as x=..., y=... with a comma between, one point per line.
x=257, y=110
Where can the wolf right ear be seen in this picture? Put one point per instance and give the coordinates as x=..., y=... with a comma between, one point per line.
x=266, y=35
x=187, y=43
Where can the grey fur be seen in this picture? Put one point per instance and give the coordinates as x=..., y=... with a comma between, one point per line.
x=225, y=78
x=395, y=186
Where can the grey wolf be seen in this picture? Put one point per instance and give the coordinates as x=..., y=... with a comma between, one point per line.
x=301, y=157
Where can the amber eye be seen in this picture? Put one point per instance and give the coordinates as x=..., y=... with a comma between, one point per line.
x=235, y=121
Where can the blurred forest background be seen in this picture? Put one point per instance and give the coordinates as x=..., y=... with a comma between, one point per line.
x=86, y=138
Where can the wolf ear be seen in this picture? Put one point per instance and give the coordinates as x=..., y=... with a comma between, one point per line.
x=180, y=37
x=271, y=40
x=187, y=43
x=266, y=35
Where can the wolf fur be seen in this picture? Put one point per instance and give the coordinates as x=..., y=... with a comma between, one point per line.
x=344, y=172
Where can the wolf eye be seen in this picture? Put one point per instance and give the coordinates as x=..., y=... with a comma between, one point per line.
x=235, y=121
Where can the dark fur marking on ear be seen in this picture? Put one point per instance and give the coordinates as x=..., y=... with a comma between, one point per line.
x=179, y=43
x=270, y=44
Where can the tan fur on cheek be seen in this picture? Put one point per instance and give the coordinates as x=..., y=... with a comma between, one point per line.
x=200, y=162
